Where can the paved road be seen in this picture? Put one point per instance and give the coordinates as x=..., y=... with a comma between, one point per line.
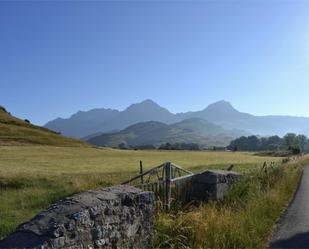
x=293, y=227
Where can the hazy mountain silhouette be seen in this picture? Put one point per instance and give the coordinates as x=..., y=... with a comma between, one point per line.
x=83, y=124
x=98, y=121
x=221, y=112
x=224, y=114
x=192, y=130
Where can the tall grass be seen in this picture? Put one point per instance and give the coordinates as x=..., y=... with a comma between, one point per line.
x=33, y=177
x=245, y=219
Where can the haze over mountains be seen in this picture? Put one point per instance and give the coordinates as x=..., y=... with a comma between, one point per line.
x=228, y=121
x=83, y=124
x=193, y=130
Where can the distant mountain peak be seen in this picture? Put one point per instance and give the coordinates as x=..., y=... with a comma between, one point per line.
x=220, y=106
x=148, y=102
x=145, y=104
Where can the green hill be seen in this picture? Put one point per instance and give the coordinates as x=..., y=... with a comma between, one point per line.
x=14, y=131
x=192, y=130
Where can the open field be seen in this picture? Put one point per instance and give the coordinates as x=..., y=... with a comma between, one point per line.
x=50, y=160
x=33, y=177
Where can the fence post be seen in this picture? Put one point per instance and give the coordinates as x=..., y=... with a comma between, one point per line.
x=168, y=185
x=230, y=167
x=141, y=170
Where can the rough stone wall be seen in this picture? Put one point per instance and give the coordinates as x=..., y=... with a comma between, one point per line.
x=212, y=184
x=115, y=217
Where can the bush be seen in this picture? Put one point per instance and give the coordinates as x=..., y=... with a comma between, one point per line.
x=179, y=146
x=122, y=146
x=294, y=149
x=3, y=109
x=291, y=142
x=144, y=147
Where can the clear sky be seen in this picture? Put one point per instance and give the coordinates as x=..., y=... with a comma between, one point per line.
x=60, y=57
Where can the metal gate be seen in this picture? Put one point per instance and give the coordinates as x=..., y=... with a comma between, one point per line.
x=168, y=181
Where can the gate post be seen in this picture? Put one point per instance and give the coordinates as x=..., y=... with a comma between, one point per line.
x=141, y=171
x=168, y=177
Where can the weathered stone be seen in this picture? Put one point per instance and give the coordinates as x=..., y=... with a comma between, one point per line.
x=212, y=184
x=115, y=217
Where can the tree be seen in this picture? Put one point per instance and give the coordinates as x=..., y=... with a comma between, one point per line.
x=274, y=143
x=144, y=147
x=2, y=108
x=289, y=140
x=122, y=146
x=166, y=146
x=253, y=143
x=179, y=146
x=301, y=142
x=295, y=149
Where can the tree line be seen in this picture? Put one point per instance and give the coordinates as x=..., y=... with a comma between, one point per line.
x=179, y=146
x=291, y=142
x=165, y=146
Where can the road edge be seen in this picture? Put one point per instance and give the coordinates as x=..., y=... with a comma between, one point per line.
x=284, y=211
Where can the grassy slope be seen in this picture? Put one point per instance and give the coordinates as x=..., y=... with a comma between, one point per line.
x=33, y=177
x=14, y=131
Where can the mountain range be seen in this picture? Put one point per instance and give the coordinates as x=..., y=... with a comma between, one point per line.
x=155, y=133
x=90, y=124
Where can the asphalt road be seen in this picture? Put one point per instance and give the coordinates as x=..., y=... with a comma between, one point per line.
x=293, y=228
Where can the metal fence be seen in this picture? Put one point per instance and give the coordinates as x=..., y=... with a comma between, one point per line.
x=168, y=181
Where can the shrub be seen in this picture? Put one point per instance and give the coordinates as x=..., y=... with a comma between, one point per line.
x=179, y=146
x=295, y=149
x=122, y=146
x=3, y=109
x=144, y=147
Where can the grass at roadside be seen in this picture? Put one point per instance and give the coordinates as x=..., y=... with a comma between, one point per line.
x=33, y=177
x=244, y=220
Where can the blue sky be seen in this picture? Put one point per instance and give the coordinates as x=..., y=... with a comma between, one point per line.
x=60, y=57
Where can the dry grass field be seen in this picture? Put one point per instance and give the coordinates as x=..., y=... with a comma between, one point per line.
x=33, y=177
x=51, y=160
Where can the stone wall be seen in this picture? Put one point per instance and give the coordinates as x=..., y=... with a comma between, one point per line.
x=115, y=217
x=212, y=184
